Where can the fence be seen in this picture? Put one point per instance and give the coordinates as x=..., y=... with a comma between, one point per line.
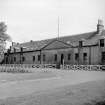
x=30, y=67
x=23, y=67
x=83, y=67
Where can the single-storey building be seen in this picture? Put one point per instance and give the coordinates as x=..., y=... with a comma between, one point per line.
x=86, y=48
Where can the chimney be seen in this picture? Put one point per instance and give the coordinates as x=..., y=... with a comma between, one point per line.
x=14, y=50
x=100, y=26
x=13, y=43
x=31, y=41
x=9, y=50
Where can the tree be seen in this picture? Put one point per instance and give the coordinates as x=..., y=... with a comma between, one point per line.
x=3, y=35
x=3, y=38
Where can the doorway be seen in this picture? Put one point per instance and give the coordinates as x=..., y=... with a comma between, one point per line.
x=62, y=59
x=103, y=57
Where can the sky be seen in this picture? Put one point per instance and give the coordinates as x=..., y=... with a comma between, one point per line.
x=38, y=19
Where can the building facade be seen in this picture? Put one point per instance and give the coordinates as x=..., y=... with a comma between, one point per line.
x=85, y=49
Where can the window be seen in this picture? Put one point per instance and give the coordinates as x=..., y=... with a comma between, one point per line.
x=55, y=57
x=23, y=59
x=33, y=58
x=84, y=56
x=44, y=57
x=103, y=56
x=38, y=57
x=69, y=56
x=101, y=42
x=14, y=59
x=76, y=56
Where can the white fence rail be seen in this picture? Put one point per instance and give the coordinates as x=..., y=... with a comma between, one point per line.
x=30, y=65
x=84, y=67
x=24, y=67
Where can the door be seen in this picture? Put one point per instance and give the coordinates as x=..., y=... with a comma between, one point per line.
x=62, y=59
x=103, y=57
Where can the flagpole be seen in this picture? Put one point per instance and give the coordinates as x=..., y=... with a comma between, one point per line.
x=58, y=26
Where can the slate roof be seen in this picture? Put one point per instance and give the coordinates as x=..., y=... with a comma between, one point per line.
x=93, y=40
x=56, y=44
x=75, y=38
x=32, y=45
x=71, y=39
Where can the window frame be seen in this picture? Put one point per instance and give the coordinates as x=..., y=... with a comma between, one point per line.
x=44, y=57
x=39, y=57
x=69, y=56
x=84, y=56
x=76, y=56
x=33, y=58
x=103, y=56
x=23, y=59
x=14, y=59
x=102, y=43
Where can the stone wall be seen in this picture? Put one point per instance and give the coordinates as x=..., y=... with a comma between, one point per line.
x=92, y=56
